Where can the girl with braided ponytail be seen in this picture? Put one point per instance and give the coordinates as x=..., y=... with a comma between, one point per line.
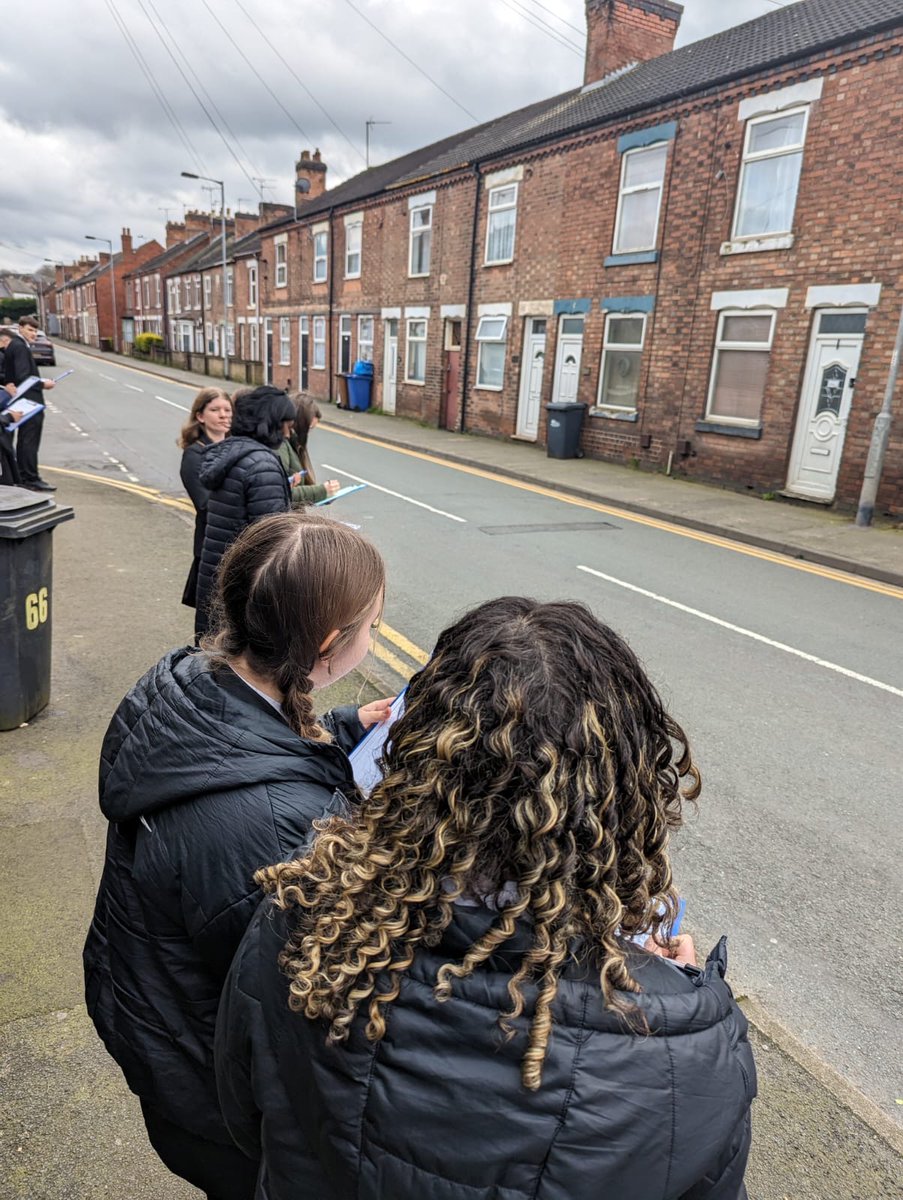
x=215, y=765
x=464, y=989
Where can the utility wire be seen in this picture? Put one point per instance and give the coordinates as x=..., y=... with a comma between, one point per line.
x=301, y=82
x=194, y=93
x=576, y=28
x=543, y=27
x=251, y=66
x=231, y=132
x=168, y=110
x=410, y=60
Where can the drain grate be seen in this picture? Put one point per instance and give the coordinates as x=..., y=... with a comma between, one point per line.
x=558, y=527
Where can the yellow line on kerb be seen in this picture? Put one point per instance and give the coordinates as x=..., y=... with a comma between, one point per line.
x=696, y=535
x=123, y=485
x=404, y=645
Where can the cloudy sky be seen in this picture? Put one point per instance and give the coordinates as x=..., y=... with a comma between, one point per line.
x=103, y=103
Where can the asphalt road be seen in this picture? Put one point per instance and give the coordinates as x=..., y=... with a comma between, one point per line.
x=789, y=684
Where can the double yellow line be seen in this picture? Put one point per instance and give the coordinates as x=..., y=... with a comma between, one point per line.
x=388, y=641
x=123, y=485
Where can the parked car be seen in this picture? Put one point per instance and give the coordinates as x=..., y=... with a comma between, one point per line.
x=43, y=350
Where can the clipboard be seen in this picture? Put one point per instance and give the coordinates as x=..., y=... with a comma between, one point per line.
x=363, y=757
x=28, y=409
x=345, y=491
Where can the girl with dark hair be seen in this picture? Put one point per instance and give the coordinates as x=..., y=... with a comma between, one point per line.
x=244, y=480
x=295, y=459
x=446, y=994
x=215, y=764
x=208, y=422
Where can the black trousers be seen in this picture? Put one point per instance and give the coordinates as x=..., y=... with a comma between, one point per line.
x=221, y=1171
x=28, y=439
x=9, y=469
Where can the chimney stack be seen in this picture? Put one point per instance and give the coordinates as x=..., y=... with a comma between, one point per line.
x=312, y=170
x=175, y=233
x=620, y=33
x=127, y=243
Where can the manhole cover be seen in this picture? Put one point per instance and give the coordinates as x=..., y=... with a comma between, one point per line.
x=559, y=527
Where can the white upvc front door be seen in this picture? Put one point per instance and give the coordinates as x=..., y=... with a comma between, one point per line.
x=567, y=359
x=532, y=372
x=390, y=365
x=825, y=403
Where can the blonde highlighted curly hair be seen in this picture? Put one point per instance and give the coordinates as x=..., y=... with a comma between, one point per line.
x=534, y=768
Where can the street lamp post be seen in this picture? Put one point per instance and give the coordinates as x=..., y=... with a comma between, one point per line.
x=222, y=209
x=91, y=238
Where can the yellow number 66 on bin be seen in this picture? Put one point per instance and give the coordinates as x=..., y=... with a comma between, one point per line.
x=35, y=609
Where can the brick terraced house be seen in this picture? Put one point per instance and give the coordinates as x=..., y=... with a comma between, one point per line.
x=703, y=246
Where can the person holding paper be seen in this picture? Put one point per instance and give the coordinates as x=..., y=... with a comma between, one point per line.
x=9, y=469
x=295, y=459
x=214, y=763
x=19, y=365
x=443, y=996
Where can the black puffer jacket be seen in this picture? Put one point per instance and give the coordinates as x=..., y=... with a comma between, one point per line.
x=203, y=782
x=189, y=473
x=245, y=480
x=437, y=1109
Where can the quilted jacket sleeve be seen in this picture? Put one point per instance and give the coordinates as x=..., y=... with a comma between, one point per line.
x=237, y=1022
x=726, y=1181
x=188, y=472
x=344, y=725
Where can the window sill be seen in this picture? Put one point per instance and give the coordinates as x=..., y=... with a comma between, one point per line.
x=742, y=431
x=611, y=414
x=352, y=276
x=487, y=387
x=426, y=276
x=499, y=262
x=279, y=287
x=416, y=382
x=314, y=367
x=629, y=260
x=783, y=241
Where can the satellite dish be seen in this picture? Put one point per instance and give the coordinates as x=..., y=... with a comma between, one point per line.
x=302, y=185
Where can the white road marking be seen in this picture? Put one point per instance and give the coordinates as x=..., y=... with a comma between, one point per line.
x=398, y=495
x=108, y=378
x=756, y=637
x=77, y=428
x=122, y=468
x=173, y=403
x=132, y=388
x=134, y=478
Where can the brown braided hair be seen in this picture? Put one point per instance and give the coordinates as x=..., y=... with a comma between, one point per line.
x=283, y=586
x=534, y=752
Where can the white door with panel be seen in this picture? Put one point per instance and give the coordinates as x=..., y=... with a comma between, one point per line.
x=390, y=365
x=532, y=373
x=825, y=404
x=567, y=360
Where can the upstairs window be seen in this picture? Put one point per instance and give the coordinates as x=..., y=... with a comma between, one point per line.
x=197, y=291
x=252, y=285
x=622, y=351
x=208, y=292
x=230, y=286
x=491, y=333
x=320, y=249
x=353, y=235
x=740, y=367
x=770, y=174
x=421, y=240
x=281, y=263
x=500, y=224
x=640, y=198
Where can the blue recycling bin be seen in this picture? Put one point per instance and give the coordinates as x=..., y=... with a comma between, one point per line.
x=360, y=385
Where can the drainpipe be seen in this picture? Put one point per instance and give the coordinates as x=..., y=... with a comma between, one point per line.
x=329, y=345
x=880, y=437
x=471, y=284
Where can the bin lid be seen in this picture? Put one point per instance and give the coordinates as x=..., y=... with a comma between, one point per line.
x=362, y=367
x=565, y=405
x=24, y=513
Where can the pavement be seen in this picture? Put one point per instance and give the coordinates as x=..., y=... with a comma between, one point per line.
x=69, y=1128
x=802, y=530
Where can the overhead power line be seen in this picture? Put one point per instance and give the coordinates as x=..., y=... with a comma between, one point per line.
x=231, y=132
x=410, y=60
x=168, y=110
x=300, y=81
x=576, y=28
x=543, y=26
x=192, y=89
x=251, y=66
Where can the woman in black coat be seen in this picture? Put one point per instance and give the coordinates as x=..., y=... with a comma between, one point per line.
x=463, y=990
x=214, y=765
x=244, y=480
x=208, y=423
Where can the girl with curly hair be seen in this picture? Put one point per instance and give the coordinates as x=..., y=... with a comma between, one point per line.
x=463, y=989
